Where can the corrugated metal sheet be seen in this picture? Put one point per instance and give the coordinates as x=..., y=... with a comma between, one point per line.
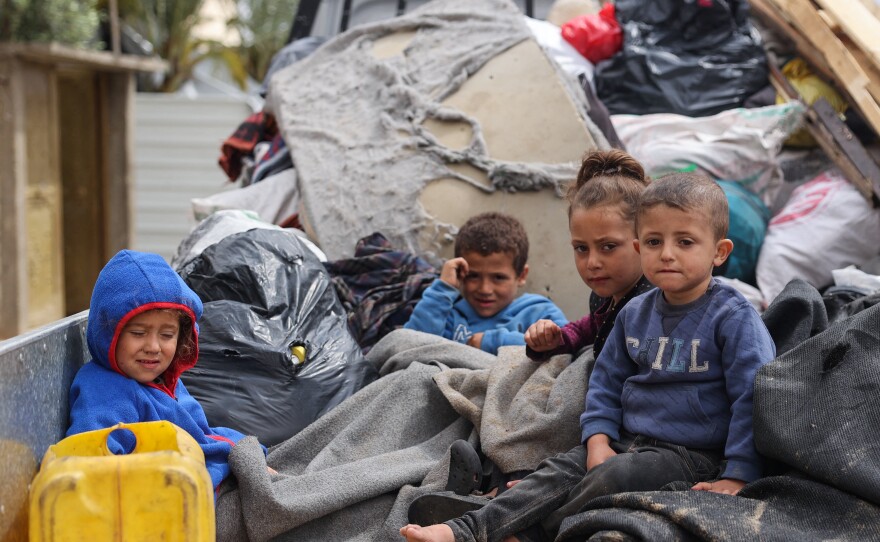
x=176, y=145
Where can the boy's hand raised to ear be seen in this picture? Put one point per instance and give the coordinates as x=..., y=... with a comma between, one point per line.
x=454, y=271
x=728, y=486
x=543, y=335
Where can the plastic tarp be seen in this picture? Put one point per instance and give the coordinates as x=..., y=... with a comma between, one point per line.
x=265, y=292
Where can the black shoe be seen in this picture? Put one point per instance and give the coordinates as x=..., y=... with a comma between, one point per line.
x=434, y=508
x=465, y=469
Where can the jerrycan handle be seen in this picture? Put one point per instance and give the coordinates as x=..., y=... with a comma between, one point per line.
x=152, y=436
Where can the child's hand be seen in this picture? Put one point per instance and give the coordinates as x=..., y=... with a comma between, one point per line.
x=476, y=340
x=453, y=272
x=543, y=335
x=727, y=486
x=598, y=450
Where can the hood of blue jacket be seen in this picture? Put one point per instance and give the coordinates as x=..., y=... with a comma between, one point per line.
x=131, y=283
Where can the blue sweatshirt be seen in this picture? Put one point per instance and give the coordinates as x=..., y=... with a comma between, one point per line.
x=102, y=396
x=442, y=311
x=683, y=374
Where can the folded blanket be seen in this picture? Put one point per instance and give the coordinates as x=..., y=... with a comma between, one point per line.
x=403, y=347
x=338, y=477
x=353, y=473
x=525, y=411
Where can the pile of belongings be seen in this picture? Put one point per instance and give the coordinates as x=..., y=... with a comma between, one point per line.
x=776, y=101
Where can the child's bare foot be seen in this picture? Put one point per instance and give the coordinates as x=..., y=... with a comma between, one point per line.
x=433, y=533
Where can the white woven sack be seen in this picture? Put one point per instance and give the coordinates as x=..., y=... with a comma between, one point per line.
x=826, y=224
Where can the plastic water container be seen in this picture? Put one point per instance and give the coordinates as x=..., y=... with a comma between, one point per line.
x=160, y=491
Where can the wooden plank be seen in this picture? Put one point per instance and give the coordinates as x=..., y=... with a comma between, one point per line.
x=832, y=135
x=859, y=23
x=43, y=223
x=118, y=141
x=54, y=53
x=872, y=6
x=13, y=297
x=831, y=22
x=868, y=65
x=838, y=155
x=769, y=15
x=842, y=63
x=869, y=68
x=81, y=157
x=868, y=179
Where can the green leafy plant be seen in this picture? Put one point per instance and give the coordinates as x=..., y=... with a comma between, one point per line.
x=168, y=25
x=264, y=26
x=71, y=22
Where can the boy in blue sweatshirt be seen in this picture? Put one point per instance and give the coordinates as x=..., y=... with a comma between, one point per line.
x=474, y=300
x=670, y=398
x=142, y=334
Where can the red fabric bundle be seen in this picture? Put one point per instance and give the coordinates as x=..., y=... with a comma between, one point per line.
x=596, y=36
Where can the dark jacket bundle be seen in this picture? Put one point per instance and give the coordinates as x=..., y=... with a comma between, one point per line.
x=379, y=287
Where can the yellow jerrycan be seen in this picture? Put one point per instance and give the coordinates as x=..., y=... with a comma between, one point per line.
x=160, y=491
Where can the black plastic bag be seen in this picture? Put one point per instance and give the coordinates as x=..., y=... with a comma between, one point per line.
x=691, y=57
x=264, y=293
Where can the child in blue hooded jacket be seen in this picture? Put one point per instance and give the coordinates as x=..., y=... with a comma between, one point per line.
x=142, y=334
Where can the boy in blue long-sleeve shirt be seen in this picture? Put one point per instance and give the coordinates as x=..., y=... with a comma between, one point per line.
x=474, y=300
x=670, y=398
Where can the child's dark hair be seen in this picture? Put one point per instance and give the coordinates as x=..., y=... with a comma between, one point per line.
x=610, y=177
x=691, y=192
x=488, y=233
x=186, y=343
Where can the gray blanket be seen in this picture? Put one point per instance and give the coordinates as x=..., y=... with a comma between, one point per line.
x=779, y=508
x=352, y=474
x=525, y=411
